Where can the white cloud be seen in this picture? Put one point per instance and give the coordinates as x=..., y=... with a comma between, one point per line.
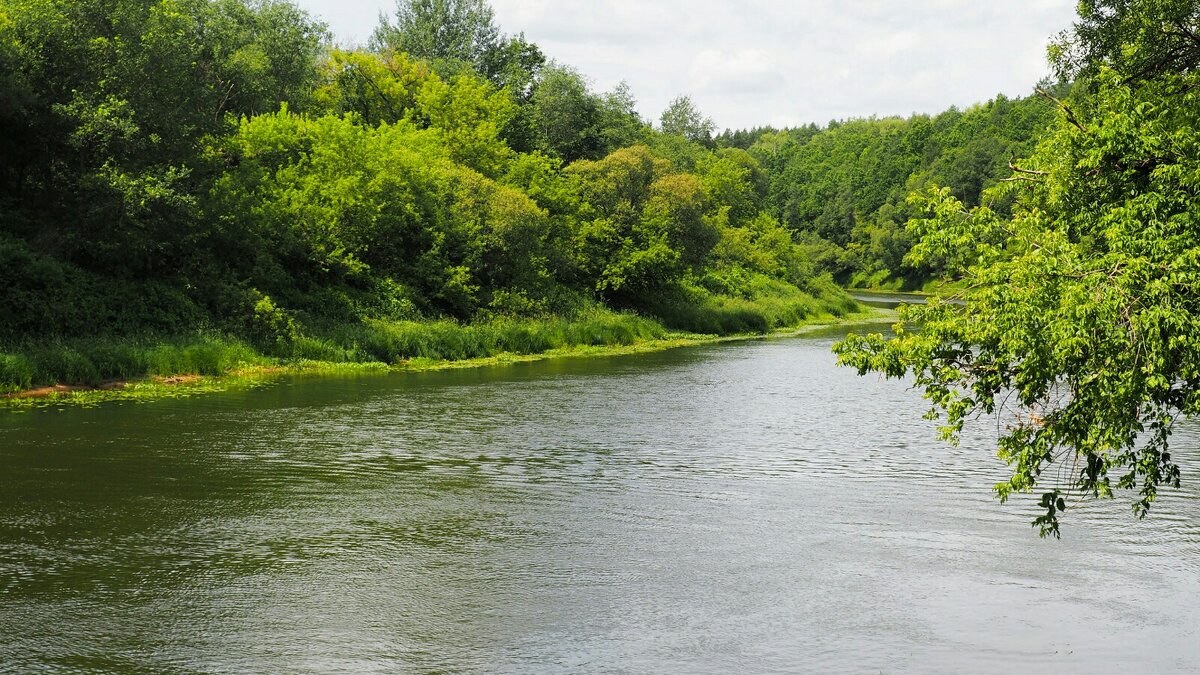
x=747, y=71
x=753, y=62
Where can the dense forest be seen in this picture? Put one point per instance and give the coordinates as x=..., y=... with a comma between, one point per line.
x=188, y=184
x=842, y=190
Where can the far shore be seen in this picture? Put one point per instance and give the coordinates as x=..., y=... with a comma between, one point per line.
x=186, y=384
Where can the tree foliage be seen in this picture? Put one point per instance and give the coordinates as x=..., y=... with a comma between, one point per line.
x=1140, y=39
x=844, y=187
x=179, y=165
x=683, y=118
x=459, y=37
x=440, y=30
x=1080, y=320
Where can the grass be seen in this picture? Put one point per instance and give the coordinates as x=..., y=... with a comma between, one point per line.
x=393, y=342
x=98, y=361
x=765, y=305
x=147, y=369
x=92, y=362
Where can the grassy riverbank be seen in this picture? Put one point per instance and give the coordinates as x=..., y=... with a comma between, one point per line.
x=91, y=371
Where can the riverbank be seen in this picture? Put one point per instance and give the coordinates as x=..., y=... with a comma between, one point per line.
x=213, y=370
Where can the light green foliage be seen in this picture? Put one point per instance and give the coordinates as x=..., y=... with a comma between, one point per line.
x=469, y=115
x=339, y=201
x=1081, y=318
x=683, y=118
x=94, y=361
x=734, y=178
x=271, y=327
x=614, y=244
x=183, y=167
x=676, y=209
x=376, y=87
x=765, y=246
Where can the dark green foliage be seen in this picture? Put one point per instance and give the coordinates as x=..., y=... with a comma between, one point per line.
x=742, y=138
x=1141, y=40
x=110, y=101
x=47, y=297
x=571, y=122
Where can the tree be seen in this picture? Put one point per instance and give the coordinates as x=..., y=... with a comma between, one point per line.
x=112, y=100
x=1081, y=323
x=514, y=63
x=1140, y=39
x=439, y=30
x=456, y=36
x=378, y=88
x=620, y=124
x=683, y=118
x=567, y=115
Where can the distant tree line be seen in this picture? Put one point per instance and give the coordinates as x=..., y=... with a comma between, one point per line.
x=842, y=189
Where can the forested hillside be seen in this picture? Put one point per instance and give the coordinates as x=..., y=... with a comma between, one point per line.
x=843, y=188
x=218, y=173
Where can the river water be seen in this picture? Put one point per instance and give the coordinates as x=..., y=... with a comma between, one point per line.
x=730, y=508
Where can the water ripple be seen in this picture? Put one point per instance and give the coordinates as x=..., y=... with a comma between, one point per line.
x=731, y=508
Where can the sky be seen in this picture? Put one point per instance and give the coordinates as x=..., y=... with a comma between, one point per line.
x=757, y=62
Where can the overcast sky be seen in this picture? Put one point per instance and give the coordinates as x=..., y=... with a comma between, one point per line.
x=755, y=62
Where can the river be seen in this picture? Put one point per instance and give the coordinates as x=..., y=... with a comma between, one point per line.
x=742, y=507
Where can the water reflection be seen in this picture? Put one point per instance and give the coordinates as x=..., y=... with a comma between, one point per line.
x=736, y=507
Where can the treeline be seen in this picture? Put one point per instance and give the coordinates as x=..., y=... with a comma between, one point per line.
x=842, y=189
x=219, y=167
x=216, y=165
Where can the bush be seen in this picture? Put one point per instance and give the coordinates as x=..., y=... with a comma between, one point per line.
x=17, y=372
x=270, y=327
x=763, y=304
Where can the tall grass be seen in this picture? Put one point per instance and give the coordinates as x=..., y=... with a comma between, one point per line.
x=771, y=305
x=97, y=360
x=766, y=305
x=392, y=342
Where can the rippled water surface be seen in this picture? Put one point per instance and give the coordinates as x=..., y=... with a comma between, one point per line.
x=742, y=507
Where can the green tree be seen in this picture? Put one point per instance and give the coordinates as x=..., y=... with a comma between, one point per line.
x=111, y=101
x=567, y=115
x=1140, y=39
x=1081, y=315
x=378, y=88
x=683, y=118
x=620, y=124
x=457, y=36
x=439, y=30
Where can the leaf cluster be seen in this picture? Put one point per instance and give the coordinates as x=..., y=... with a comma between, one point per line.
x=1076, y=329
